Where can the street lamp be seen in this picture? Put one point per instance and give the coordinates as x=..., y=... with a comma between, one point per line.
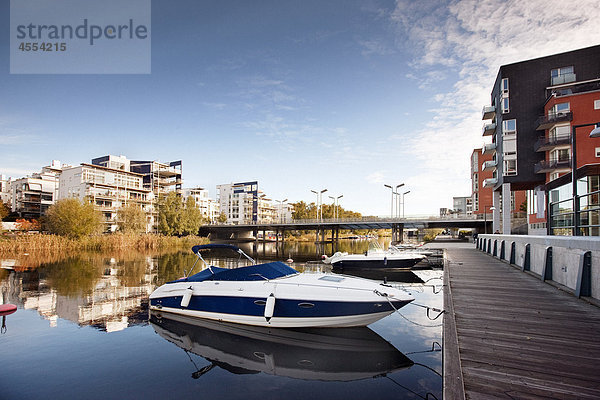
x=335, y=205
x=404, y=194
x=593, y=134
x=319, y=198
x=281, y=209
x=398, y=199
x=393, y=193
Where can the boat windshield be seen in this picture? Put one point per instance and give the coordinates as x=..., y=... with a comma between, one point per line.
x=258, y=272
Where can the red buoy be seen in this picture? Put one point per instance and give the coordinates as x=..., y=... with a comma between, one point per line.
x=7, y=309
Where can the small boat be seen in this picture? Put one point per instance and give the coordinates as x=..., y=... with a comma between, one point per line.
x=276, y=295
x=344, y=354
x=375, y=257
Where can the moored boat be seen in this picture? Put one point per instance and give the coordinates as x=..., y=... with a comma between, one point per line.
x=276, y=295
x=375, y=257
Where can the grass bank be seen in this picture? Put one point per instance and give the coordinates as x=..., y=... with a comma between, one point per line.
x=115, y=241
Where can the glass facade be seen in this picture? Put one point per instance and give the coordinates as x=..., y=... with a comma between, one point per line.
x=562, y=216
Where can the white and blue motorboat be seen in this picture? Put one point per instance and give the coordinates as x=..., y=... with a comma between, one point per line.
x=275, y=295
x=375, y=258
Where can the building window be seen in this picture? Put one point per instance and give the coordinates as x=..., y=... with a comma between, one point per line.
x=562, y=75
x=475, y=182
x=504, y=85
x=559, y=109
x=510, y=167
x=505, y=105
x=596, y=104
x=597, y=151
x=509, y=127
x=560, y=132
x=560, y=155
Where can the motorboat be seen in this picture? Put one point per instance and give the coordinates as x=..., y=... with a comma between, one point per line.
x=344, y=354
x=375, y=257
x=276, y=295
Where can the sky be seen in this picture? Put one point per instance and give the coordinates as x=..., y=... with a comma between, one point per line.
x=300, y=95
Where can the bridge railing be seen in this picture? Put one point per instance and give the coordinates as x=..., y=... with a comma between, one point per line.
x=373, y=219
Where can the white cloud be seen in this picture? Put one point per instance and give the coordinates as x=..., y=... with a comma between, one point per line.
x=474, y=38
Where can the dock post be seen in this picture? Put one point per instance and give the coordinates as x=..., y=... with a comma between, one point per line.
x=547, y=271
x=584, y=275
x=513, y=256
x=527, y=259
x=502, y=250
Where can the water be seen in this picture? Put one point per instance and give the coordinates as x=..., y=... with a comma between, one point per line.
x=82, y=331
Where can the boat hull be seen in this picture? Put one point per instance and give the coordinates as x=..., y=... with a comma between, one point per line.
x=304, y=300
x=370, y=263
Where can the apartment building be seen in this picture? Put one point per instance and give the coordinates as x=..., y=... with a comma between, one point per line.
x=108, y=189
x=207, y=206
x=519, y=96
x=5, y=182
x=243, y=203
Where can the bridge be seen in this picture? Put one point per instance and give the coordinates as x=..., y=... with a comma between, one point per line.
x=396, y=225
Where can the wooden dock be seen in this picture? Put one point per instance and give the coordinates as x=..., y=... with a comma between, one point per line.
x=508, y=335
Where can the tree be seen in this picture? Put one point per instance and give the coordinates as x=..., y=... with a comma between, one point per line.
x=170, y=215
x=131, y=219
x=4, y=210
x=192, y=218
x=73, y=218
x=222, y=218
x=304, y=211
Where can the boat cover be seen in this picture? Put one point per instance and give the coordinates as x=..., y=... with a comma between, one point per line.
x=199, y=247
x=258, y=272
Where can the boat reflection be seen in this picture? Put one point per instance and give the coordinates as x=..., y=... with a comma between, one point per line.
x=342, y=354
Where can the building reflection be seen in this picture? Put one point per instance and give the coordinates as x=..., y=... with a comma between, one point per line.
x=108, y=294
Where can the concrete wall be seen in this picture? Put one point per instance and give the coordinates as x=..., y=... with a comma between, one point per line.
x=565, y=266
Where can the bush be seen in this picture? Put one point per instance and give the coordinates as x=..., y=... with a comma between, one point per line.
x=73, y=218
x=131, y=219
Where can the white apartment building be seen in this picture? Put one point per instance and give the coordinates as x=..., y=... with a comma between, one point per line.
x=243, y=203
x=5, y=189
x=209, y=207
x=109, y=189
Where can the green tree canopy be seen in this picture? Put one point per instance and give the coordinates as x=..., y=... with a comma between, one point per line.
x=131, y=219
x=73, y=218
x=177, y=218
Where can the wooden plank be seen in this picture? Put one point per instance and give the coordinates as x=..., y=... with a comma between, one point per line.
x=517, y=336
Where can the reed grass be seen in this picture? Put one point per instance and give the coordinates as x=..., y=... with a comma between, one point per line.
x=118, y=241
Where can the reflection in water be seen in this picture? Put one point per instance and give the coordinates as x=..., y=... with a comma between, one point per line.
x=343, y=354
x=90, y=289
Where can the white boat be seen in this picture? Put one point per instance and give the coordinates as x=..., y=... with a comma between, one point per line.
x=375, y=257
x=344, y=354
x=276, y=295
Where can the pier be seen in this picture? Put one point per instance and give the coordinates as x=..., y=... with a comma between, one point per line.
x=508, y=334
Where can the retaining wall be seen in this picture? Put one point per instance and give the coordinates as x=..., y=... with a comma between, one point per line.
x=573, y=262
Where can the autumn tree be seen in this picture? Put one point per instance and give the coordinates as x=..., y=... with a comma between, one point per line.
x=131, y=219
x=178, y=218
x=192, y=218
x=4, y=210
x=73, y=218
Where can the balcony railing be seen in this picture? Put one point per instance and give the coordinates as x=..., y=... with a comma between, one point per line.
x=488, y=148
x=490, y=182
x=548, y=121
x=489, y=129
x=551, y=165
x=489, y=165
x=489, y=112
x=548, y=143
x=564, y=78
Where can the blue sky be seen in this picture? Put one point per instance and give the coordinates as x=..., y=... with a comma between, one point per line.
x=299, y=95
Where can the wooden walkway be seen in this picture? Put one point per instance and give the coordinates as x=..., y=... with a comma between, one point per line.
x=508, y=335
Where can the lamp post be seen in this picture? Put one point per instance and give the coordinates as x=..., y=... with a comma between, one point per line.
x=393, y=193
x=593, y=134
x=319, y=200
x=399, y=200
x=335, y=205
x=281, y=209
x=404, y=194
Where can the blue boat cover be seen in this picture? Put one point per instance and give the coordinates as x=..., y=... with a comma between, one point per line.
x=258, y=272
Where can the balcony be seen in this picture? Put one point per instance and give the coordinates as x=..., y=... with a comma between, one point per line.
x=488, y=148
x=489, y=112
x=562, y=79
x=546, y=122
x=489, y=165
x=552, y=165
x=490, y=182
x=489, y=129
x=545, y=143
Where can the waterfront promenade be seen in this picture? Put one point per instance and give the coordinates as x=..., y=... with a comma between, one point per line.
x=508, y=335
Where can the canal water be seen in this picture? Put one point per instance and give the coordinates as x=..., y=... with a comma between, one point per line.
x=82, y=331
